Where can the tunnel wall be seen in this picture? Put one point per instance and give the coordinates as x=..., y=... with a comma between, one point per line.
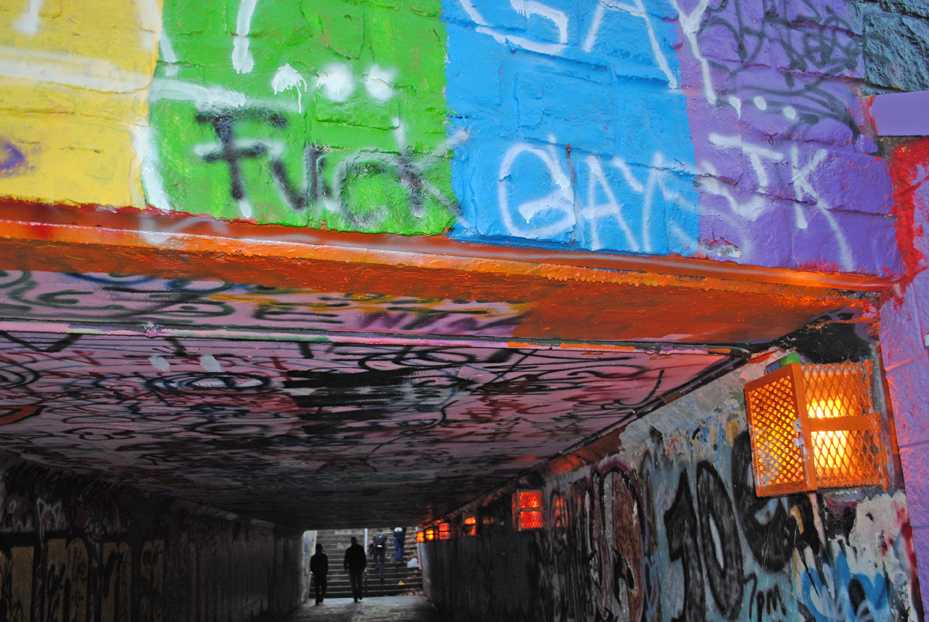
x=667, y=526
x=76, y=550
x=904, y=330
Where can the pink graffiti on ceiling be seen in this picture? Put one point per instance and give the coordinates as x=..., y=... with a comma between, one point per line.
x=245, y=425
x=142, y=301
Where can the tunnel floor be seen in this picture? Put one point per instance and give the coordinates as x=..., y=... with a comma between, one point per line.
x=377, y=609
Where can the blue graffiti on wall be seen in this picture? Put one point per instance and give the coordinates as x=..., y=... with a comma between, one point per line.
x=574, y=108
x=839, y=594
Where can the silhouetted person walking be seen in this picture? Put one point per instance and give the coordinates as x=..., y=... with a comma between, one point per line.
x=355, y=562
x=319, y=566
x=380, y=555
x=399, y=541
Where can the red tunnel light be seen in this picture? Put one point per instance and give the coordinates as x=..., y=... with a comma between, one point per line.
x=445, y=531
x=420, y=536
x=527, y=510
x=470, y=526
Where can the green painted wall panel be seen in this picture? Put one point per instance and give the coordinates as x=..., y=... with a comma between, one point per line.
x=327, y=115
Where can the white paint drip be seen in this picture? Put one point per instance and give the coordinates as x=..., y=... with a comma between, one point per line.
x=760, y=102
x=286, y=77
x=28, y=22
x=209, y=364
x=69, y=70
x=790, y=113
x=159, y=363
x=143, y=141
x=379, y=83
x=242, y=60
x=336, y=81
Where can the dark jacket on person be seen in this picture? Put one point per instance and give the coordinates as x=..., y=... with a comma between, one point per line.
x=355, y=558
x=319, y=564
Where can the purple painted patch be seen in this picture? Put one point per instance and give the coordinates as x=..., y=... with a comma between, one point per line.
x=901, y=114
x=786, y=176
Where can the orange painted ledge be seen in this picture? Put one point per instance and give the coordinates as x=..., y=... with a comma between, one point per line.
x=570, y=295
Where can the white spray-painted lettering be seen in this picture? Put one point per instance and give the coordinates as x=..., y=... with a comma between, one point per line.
x=526, y=8
x=143, y=142
x=636, y=9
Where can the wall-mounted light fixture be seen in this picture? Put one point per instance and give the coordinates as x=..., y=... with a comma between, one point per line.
x=429, y=533
x=420, y=536
x=527, y=510
x=445, y=531
x=814, y=426
x=470, y=526
x=559, y=512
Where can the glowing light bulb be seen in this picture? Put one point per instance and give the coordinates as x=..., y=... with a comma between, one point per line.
x=826, y=408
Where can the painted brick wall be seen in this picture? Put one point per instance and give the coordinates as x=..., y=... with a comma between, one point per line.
x=71, y=549
x=667, y=527
x=695, y=127
x=904, y=327
x=895, y=59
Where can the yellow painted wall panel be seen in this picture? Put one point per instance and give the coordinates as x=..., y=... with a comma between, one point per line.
x=74, y=83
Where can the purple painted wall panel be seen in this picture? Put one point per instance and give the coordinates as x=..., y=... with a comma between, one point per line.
x=901, y=114
x=789, y=175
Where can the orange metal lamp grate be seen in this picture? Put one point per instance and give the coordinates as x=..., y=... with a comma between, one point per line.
x=527, y=510
x=420, y=537
x=470, y=526
x=814, y=426
x=445, y=531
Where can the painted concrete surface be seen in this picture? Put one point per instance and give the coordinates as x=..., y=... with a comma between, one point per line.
x=725, y=130
x=900, y=114
x=384, y=609
x=79, y=549
x=904, y=326
x=137, y=270
x=316, y=433
x=666, y=526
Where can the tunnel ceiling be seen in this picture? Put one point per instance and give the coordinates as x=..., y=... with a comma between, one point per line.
x=299, y=428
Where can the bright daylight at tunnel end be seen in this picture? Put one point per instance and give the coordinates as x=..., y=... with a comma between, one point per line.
x=464, y=310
